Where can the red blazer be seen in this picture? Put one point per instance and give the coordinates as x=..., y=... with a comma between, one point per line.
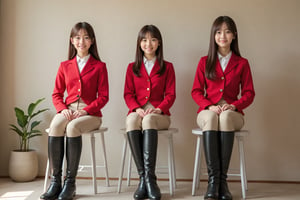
x=159, y=90
x=91, y=85
x=228, y=84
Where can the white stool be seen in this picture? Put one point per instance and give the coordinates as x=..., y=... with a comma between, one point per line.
x=171, y=161
x=239, y=135
x=101, y=130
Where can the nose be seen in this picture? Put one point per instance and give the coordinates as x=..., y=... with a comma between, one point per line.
x=222, y=34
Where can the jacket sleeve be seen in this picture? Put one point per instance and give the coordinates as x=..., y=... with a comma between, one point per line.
x=247, y=88
x=129, y=90
x=170, y=90
x=198, y=90
x=102, y=93
x=59, y=90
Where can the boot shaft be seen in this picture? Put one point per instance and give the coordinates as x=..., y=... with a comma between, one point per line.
x=73, y=153
x=227, y=141
x=150, y=150
x=56, y=156
x=135, y=140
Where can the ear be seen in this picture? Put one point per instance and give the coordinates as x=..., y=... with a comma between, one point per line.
x=71, y=39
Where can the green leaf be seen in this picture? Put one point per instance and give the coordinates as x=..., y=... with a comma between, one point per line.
x=34, y=124
x=34, y=135
x=40, y=111
x=32, y=106
x=21, y=117
x=16, y=129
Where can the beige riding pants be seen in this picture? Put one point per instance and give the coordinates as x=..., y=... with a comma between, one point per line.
x=227, y=121
x=60, y=126
x=150, y=121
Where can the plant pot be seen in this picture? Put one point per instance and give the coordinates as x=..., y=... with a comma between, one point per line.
x=23, y=165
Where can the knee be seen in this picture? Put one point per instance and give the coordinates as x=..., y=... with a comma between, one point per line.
x=226, y=117
x=226, y=121
x=133, y=122
x=149, y=122
x=73, y=130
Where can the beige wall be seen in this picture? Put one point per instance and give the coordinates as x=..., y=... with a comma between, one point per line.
x=34, y=38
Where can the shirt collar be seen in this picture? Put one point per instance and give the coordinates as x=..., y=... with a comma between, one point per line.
x=227, y=57
x=149, y=61
x=82, y=60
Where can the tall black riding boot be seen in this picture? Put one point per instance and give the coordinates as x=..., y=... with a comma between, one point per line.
x=211, y=150
x=150, y=149
x=227, y=140
x=56, y=155
x=73, y=153
x=135, y=139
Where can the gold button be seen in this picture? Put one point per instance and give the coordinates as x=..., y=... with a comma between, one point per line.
x=78, y=90
x=222, y=77
x=146, y=97
x=221, y=90
x=148, y=89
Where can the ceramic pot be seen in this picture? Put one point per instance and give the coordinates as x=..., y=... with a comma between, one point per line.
x=23, y=166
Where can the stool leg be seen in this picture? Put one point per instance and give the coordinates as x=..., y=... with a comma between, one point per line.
x=172, y=176
x=173, y=165
x=197, y=166
x=122, y=163
x=242, y=166
x=104, y=158
x=129, y=167
x=92, y=137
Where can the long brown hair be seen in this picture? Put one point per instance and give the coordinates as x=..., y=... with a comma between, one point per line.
x=210, y=67
x=155, y=33
x=90, y=31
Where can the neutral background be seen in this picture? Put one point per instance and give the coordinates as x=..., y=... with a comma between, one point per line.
x=34, y=38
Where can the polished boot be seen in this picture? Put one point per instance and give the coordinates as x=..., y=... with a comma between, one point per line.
x=149, y=151
x=211, y=150
x=135, y=139
x=73, y=152
x=227, y=140
x=56, y=155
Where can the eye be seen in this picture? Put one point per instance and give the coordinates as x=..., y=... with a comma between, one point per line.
x=86, y=37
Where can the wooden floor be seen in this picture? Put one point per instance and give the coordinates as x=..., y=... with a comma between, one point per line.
x=10, y=190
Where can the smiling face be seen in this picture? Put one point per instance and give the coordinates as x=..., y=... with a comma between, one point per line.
x=82, y=43
x=223, y=38
x=149, y=46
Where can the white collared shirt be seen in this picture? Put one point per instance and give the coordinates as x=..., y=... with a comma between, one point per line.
x=82, y=61
x=224, y=60
x=149, y=64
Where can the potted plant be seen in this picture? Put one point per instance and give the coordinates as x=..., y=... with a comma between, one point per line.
x=23, y=163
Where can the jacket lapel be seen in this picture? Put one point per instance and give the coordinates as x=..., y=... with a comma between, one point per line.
x=155, y=69
x=233, y=62
x=74, y=66
x=89, y=66
x=219, y=71
x=143, y=71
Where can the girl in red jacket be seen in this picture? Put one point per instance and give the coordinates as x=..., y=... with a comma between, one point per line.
x=149, y=94
x=84, y=77
x=220, y=78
